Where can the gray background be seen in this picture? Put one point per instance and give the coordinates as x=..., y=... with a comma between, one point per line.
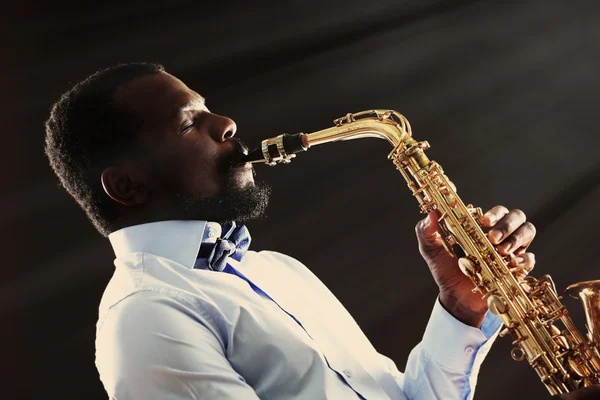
x=505, y=92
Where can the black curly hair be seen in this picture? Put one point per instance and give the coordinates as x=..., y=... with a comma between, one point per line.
x=88, y=131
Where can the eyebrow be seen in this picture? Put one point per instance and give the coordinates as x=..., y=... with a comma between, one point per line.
x=186, y=106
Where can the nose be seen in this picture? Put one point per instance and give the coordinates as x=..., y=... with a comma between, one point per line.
x=222, y=128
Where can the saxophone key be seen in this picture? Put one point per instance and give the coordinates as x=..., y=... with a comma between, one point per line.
x=467, y=266
x=505, y=331
x=517, y=353
x=520, y=339
x=497, y=305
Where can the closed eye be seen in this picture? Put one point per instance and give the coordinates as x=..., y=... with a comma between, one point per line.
x=186, y=127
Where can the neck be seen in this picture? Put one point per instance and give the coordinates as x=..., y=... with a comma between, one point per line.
x=147, y=213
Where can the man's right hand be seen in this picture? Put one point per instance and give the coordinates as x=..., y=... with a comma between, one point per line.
x=589, y=393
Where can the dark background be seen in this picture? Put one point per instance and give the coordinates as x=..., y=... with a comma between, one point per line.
x=506, y=92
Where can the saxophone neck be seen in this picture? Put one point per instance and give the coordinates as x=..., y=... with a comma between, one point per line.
x=380, y=124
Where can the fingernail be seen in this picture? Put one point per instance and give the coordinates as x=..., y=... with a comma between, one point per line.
x=496, y=235
x=520, y=260
x=491, y=218
x=507, y=246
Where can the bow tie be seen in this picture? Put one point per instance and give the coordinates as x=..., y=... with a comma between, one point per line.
x=234, y=243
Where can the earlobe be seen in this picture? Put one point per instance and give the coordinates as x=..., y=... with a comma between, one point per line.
x=120, y=186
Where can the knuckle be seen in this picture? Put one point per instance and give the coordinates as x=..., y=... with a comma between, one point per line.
x=505, y=227
x=499, y=210
x=528, y=261
x=531, y=263
x=519, y=214
x=419, y=226
x=513, y=221
x=516, y=238
x=531, y=227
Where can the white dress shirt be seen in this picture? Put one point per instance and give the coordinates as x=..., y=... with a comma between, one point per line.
x=169, y=328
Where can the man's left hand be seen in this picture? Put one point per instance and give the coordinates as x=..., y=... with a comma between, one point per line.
x=509, y=231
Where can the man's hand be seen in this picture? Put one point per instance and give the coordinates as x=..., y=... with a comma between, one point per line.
x=589, y=393
x=509, y=232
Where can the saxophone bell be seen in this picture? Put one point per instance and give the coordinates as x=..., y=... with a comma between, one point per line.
x=589, y=294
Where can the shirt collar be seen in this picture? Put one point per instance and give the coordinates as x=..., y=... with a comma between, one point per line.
x=178, y=241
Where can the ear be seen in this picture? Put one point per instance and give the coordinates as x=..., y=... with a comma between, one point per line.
x=126, y=184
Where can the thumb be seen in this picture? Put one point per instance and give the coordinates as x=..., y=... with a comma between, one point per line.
x=427, y=232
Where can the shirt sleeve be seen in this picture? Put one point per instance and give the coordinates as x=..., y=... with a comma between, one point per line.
x=150, y=347
x=446, y=362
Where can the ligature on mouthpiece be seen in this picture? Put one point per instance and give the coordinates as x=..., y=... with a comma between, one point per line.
x=281, y=148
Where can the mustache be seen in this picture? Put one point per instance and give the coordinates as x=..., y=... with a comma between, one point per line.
x=242, y=146
x=241, y=149
x=238, y=154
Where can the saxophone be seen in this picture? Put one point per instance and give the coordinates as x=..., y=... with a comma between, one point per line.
x=530, y=308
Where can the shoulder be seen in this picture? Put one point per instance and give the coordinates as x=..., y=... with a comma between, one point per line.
x=143, y=311
x=145, y=316
x=147, y=336
x=126, y=280
x=146, y=284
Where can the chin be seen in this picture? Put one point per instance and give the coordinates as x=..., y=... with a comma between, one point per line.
x=246, y=184
x=242, y=200
x=243, y=180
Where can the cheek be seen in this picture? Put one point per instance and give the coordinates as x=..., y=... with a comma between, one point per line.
x=194, y=167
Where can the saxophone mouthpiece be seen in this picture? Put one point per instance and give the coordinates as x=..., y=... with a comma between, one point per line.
x=255, y=156
x=280, y=149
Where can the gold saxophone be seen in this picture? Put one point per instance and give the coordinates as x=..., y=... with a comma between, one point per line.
x=530, y=308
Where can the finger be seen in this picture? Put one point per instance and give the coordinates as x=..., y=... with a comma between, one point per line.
x=519, y=239
x=525, y=261
x=519, y=251
x=506, y=226
x=494, y=215
x=428, y=236
x=428, y=227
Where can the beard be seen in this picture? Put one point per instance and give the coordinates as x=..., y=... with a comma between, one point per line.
x=239, y=204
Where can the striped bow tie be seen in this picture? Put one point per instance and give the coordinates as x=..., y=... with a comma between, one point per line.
x=234, y=243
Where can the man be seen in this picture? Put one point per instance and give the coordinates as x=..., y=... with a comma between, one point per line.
x=189, y=313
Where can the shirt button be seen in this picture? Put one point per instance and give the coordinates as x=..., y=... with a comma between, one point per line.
x=348, y=373
x=469, y=350
x=212, y=233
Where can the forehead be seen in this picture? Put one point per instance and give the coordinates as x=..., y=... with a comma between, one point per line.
x=156, y=97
